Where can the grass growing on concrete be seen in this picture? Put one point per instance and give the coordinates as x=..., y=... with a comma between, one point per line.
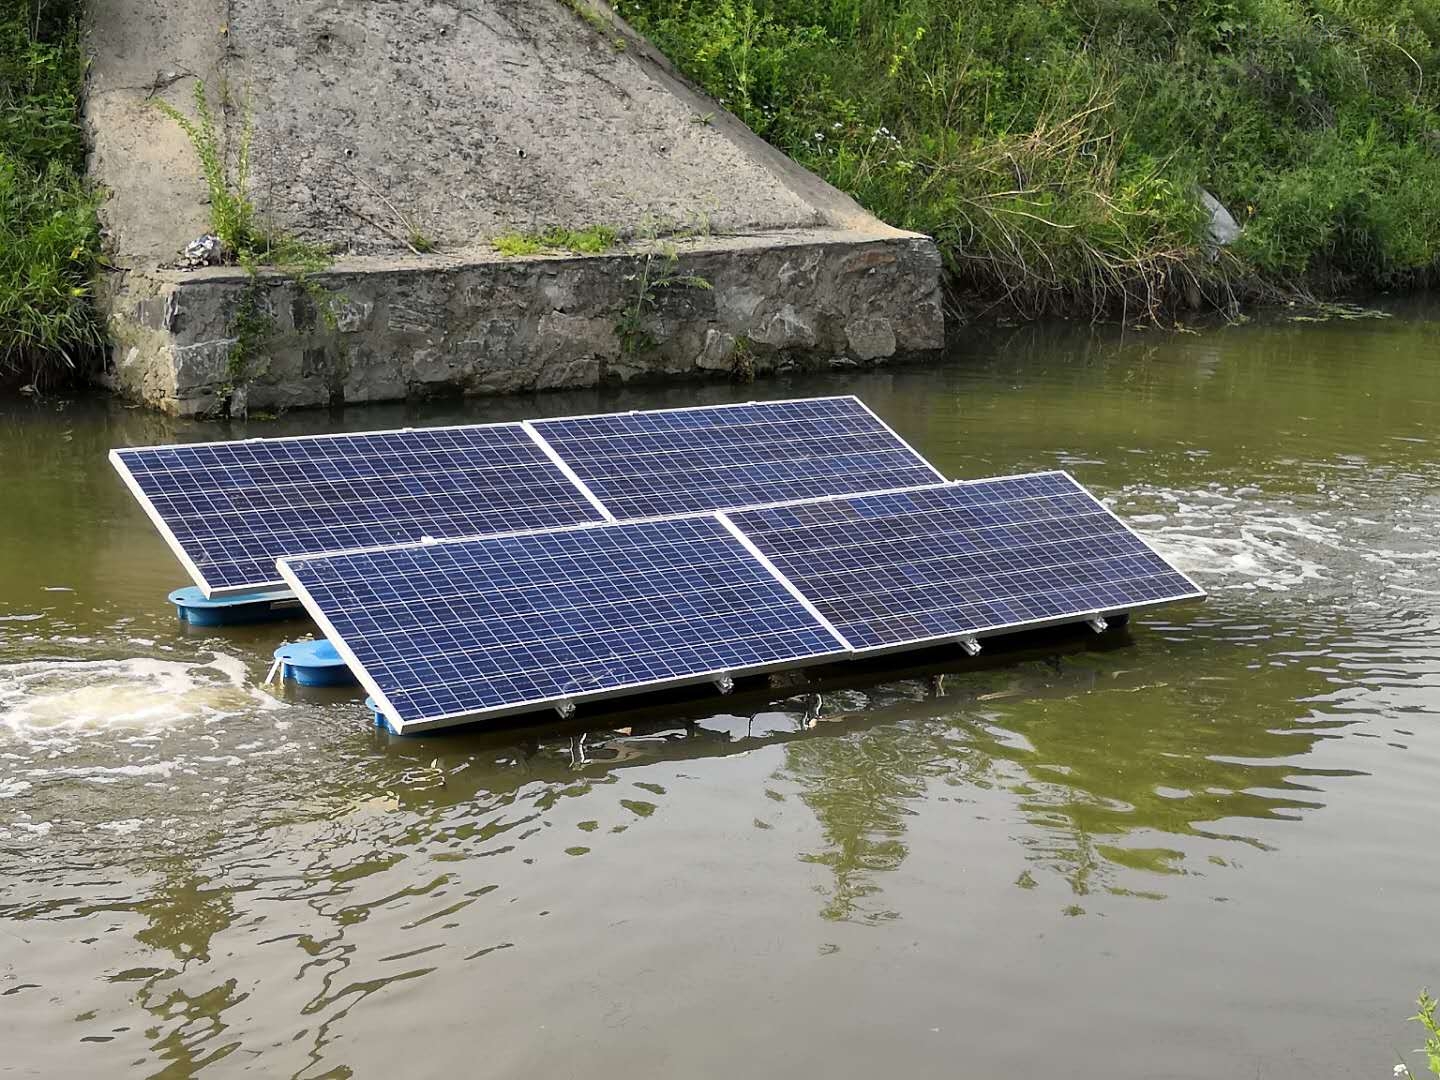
x=600, y=23
x=234, y=220
x=1055, y=150
x=655, y=271
x=590, y=240
x=49, y=238
x=232, y=213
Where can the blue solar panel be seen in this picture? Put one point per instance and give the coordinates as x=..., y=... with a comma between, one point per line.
x=682, y=461
x=230, y=509
x=954, y=560
x=440, y=632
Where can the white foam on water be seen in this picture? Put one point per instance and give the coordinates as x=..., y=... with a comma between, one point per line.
x=133, y=696
x=112, y=774
x=1242, y=539
x=123, y=827
x=1237, y=543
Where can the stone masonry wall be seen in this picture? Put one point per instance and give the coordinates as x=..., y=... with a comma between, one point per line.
x=432, y=327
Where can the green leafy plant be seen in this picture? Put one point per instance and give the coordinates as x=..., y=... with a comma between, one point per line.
x=234, y=220
x=48, y=251
x=742, y=361
x=1427, y=1020
x=232, y=214
x=513, y=244
x=655, y=271
x=49, y=236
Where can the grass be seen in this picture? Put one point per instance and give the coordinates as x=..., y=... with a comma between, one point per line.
x=1056, y=150
x=590, y=240
x=49, y=237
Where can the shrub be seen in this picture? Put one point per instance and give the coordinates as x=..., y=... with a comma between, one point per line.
x=49, y=240
x=1055, y=151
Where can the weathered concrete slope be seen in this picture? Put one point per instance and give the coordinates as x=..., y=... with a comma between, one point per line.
x=467, y=119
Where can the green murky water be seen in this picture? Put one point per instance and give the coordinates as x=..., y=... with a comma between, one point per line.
x=1209, y=852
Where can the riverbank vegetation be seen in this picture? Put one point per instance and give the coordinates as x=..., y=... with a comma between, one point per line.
x=1056, y=149
x=49, y=239
x=1427, y=1019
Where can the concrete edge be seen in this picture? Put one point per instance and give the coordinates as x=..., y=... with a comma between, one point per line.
x=442, y=261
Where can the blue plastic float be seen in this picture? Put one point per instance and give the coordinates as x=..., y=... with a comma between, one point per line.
x=380, y=719
x=313, y=663
x=262, y=605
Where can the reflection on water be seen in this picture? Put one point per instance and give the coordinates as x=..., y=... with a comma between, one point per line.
x=1199, y=836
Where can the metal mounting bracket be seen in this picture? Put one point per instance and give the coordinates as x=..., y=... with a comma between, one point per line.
x=566, y=709
x=724, y=683
x=1098, y=624
x=970, y=645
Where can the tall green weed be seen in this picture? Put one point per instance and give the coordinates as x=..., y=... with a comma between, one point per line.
x=232, y=213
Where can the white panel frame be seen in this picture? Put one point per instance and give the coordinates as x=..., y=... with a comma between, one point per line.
x=786, y=583
x=898, y=438
x=564, y=466
x=703, y=408
x=170, y=538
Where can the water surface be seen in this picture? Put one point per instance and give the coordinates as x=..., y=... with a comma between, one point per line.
x=1205, y=850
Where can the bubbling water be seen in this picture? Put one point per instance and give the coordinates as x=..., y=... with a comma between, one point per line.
x=46, y=699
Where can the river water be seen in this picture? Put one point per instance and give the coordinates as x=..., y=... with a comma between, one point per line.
x=1207, y=850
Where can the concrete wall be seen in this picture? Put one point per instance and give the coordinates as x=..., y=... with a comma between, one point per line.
x=465, y=119
x=774, y=303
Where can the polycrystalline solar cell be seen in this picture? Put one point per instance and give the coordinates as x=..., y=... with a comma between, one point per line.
x=232, y=508
x=500, y=624
x=680, y=461
x=952, y=560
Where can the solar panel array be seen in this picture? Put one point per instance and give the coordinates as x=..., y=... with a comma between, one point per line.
x=685, y=461
x=778, y=534
x=232, y=508
x=500, y=624
x=901, y=569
